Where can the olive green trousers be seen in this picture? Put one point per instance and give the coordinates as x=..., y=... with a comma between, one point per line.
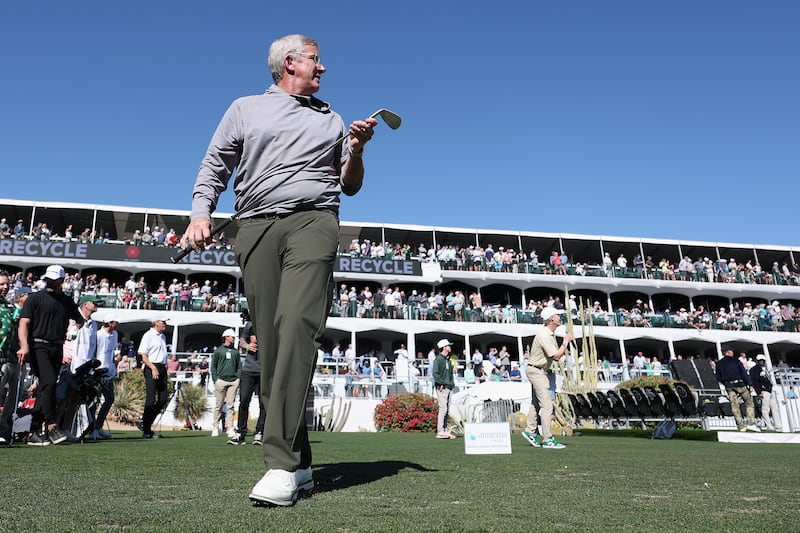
x=287, y=266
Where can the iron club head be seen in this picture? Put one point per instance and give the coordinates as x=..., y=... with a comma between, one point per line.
x=391, y=119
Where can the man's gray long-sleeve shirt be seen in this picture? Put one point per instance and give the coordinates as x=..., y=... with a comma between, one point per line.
x=265, y=138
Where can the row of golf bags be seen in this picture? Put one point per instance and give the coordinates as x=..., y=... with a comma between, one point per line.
x=668, y=401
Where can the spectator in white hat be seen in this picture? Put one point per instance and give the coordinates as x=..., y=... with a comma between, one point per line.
x=107, y=340
x=443, y=383
x=544, y=350
x=226, y=366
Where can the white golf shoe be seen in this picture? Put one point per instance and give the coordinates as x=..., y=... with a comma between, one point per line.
x=280, y=487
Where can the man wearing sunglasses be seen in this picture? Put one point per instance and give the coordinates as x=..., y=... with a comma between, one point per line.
x=287, y=243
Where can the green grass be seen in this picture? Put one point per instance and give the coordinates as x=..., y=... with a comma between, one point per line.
x=404, y=482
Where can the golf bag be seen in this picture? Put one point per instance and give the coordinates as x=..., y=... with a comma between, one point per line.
x=665, y=429
x=21, y=417
x=87, y=387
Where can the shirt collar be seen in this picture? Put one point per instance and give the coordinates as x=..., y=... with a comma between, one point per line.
x=309, y=101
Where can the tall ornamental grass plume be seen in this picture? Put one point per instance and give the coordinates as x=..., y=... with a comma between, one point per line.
x=128, y=398
x=407, y=412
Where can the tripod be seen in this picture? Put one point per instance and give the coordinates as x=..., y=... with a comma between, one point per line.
x=177, y=395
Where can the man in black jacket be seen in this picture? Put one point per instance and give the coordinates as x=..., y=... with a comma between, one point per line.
x=763, y=387
x=736, y=380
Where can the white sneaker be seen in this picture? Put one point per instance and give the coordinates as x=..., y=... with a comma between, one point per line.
x=754, y=428
x=232, y=434
x=280, y=487
x=215, y=432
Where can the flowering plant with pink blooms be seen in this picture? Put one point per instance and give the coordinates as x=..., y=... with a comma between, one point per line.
x=407, y=412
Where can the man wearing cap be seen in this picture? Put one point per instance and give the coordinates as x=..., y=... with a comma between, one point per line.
x=153, y=352
x=85, y=347
x=544, y=350
x=226, y=365
x=731, y=374
x=107, y=340
x=759, y=377
x=42, y=329
x=443, y=383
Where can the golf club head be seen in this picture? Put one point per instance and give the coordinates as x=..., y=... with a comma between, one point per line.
x=391, y=119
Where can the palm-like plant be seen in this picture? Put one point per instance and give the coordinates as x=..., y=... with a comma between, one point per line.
x=191, y=403
x=128, y=402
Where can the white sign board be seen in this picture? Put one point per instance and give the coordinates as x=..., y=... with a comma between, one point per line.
x=488, y=438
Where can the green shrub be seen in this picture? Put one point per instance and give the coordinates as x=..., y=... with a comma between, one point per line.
x=407, y=412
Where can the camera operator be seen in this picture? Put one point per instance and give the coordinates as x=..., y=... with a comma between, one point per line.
x=42, y=327
x=107, y=340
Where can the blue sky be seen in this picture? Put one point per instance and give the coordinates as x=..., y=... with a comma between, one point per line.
x=674, y=120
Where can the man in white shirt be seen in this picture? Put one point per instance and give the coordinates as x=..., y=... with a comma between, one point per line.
x=153, y=351
x=107, y=340
x=85, y=347
x=638, y=364
x=82, y=343
x=477, y=357
x=401, y=363
x=174, y=291
x=350, y=357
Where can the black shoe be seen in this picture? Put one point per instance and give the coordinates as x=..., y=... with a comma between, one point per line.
x=35, y=439
x=57, y=436
x=236, y=441
x=150, y=436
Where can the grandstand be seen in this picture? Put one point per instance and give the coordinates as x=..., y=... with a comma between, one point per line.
x=667, y=299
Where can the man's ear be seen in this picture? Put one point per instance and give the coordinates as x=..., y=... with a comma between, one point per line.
x=288, y=64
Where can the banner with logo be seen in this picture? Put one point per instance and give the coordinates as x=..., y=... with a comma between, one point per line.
x=63, y=251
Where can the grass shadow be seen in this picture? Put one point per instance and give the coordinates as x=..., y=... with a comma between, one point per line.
x=337, y=476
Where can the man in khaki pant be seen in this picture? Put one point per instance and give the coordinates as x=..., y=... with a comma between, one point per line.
x=544, y=350
x=226, y=365
x=443, y=382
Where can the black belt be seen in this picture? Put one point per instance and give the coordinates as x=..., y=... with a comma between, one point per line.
x=539, y=367
x=268, y=216
x=45, y=341
x=278, y=216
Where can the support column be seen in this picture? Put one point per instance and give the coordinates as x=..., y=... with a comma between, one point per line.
x=626, y=375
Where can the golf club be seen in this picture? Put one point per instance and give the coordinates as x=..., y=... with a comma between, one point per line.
x=391, y=119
